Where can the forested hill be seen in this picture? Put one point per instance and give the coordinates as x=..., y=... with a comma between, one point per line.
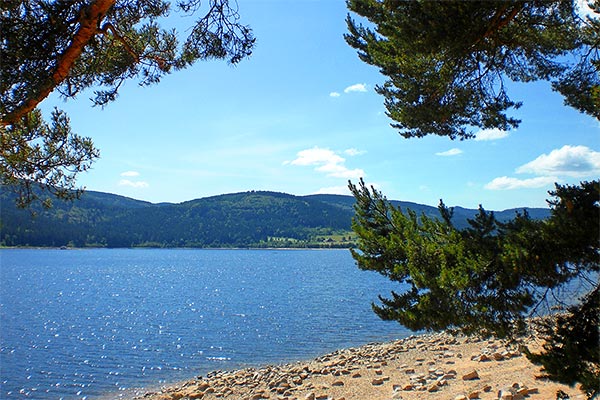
x=250, y=219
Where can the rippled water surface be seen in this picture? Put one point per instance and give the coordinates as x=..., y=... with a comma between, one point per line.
x=83, y=323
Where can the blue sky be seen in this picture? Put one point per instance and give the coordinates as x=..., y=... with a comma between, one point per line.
x=301, y=116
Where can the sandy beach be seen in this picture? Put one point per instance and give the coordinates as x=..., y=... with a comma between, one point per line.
x=436, y=366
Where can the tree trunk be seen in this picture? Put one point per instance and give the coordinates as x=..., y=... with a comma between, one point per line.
x=89, y=21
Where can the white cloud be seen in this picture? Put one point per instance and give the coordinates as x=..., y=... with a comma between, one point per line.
x=130, y=173
x=568, y=161
x=317, y=156
x=354, y=152
x=326, y=161
x=490, y=134
x=137, y=185
x=451, y=152
x=573, y=161
x=508, y=183
x=357, y=87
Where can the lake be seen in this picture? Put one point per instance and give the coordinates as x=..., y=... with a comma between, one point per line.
x=78, y=324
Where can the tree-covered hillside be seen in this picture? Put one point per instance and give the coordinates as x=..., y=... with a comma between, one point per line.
x=250, y=219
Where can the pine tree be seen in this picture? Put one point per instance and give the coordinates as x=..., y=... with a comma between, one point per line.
x=70, y=46
x=488, y=278
x=447, y=64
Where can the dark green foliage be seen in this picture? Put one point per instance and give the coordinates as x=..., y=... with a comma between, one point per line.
x=571, y=354
x=455, y=278
x=33, y=153
x=574, y=224
x=234, y=220
x=489, y=277
x=447, y=62
x=256, y=219
x=125, y=41
x=74, y=45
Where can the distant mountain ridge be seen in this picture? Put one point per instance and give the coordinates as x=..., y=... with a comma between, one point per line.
x=246, y=219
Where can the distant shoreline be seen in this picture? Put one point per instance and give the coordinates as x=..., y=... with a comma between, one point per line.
x=238, y=220
x=167, y=248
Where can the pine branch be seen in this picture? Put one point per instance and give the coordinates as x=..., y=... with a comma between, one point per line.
x=88, y=22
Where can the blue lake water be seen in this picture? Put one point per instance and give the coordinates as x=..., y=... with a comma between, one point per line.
x=85, y=323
